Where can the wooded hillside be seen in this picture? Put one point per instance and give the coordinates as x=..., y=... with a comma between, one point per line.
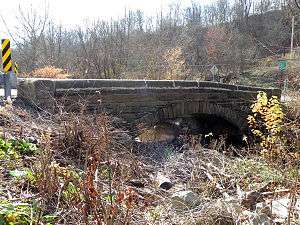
x=180, y=43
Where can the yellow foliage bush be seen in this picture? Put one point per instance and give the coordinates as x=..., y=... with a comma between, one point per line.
x=266, y=124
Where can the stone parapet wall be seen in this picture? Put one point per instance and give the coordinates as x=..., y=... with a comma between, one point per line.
x=117, y=83
x=136, y=99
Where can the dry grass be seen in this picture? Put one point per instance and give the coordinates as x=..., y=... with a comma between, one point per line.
x=48, y=72
x=88, y=144
x=291, y=128
x=84, y=173
x=293, y=106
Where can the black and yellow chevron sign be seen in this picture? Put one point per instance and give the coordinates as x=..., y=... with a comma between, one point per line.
x=6, y=56
x=16, y=68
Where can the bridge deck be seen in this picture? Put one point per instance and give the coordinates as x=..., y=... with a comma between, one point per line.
x=95, y=84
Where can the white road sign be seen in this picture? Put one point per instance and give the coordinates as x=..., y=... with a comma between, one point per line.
x=214, y=70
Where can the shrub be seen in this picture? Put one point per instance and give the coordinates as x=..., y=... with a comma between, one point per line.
x=48, y=72
x=266, y=124
x=22, y=213
x=14, y=213
x=95, y=188
x=291, y=127
x=13, y=149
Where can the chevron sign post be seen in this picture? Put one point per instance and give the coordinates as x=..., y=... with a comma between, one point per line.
x=7, y=67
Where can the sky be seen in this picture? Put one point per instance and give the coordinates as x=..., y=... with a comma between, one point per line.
x=74, y=12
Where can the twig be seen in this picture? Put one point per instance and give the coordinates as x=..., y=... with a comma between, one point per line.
x=275, y=192
x=218, y=185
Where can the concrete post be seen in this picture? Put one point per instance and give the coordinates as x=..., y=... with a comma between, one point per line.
x=7, y=85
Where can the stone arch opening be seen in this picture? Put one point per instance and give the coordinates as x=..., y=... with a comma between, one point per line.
x=186, y=109
x=211, y=126
x=204, y=118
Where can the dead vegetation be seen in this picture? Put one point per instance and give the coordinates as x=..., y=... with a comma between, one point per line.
x=85, y=169
x=48, y=72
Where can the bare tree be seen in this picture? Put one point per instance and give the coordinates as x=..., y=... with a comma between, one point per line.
x=136, y=46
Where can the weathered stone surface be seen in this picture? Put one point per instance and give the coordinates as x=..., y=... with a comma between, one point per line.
x=282, y=207
x=138, y=99
x=184, y=200
x=251, y=199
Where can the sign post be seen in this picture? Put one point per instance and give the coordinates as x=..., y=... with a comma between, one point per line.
x=282, y=64
x=7, y=67
x=214, y=70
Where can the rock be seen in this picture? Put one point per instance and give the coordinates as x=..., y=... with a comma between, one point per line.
x=253, y=218
x=159, y=133
x=166, y=185
x=32, y=140
x=18, y=173
x=263, y=208
x=164, y=182
x=136, y=183
x=229, y=206
x=251, y=199
x=184, y=200
x=281, y=207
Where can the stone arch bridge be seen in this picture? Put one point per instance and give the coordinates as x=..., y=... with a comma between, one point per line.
x=147, y=101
